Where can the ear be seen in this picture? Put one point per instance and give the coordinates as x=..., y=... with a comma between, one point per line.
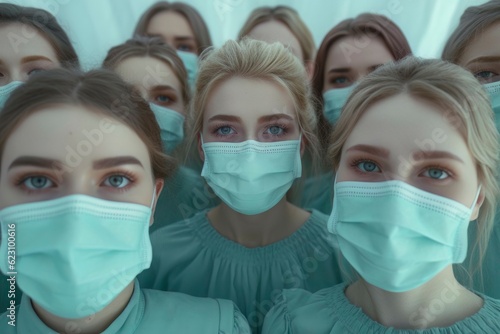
x=309, y=65
x=200, y=149
x=159, y=183
x=477, y=206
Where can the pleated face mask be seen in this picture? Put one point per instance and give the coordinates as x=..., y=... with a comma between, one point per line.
x=251, y=177
x=333, y=102
x=6, y=90
x=190, y=61
x=397, y=236
x=493, y=90
x=76, y=254
x=171, y=126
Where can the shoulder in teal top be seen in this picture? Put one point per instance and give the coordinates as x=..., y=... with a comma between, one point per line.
x=487, y=280
x=317, y=193
x=150, y=312
x=192, y=257
x=328, y=311
x=184, y=194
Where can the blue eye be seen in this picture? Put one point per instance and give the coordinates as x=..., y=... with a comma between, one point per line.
x=117, y=181
x=340, y=80
x=275, y=130
x=184, y=47
x=486, y=76
x=163, y=99
x=368, y=167
x=37, y=182
x=36, y=70
x=436, y=173
x=224, y=131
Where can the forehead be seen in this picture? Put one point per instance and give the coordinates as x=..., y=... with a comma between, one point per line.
x=401, y=120
x=63, y=131
x=485, y=44
x=147, y=72
x=249, y=99
x=169, y=23
x=353, y=51
x=276, y=31
x=20, y=40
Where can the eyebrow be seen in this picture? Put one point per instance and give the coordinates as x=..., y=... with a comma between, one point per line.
x=421, y=155
x=32, y=161
x=184, y=38
x=370, y=149
x=340, y=70
x=163, y=87
x=489, y=59
x=224, y=118
x=116, y=161
x=34, y=58
x=268, y=118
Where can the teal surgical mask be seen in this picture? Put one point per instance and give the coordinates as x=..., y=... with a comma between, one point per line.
x=397, y=236
x=171, y=126
x=251, y=177
x=190, y=61
x=333, y=102
x=6, y=90
x=493, y=90
x=75, y=254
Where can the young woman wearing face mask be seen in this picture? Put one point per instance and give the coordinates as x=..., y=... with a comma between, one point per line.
x=350, y=51
x=403, y=199
x=252, y=120
x=282, y=24
x=31, y=41
x=79, y=198
x=474, y=46
x=155, y=70
x=180, y=26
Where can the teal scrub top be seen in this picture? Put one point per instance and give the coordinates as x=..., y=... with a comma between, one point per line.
x=328, y=311
x=149, y=312
x=317, y=193
x=184, y=194
x=487, y=279
x=192, y=257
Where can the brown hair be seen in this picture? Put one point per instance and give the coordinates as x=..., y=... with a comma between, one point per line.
x=473, y=22
x=194, y=18
x=98, y=89
x=46, y=24
x=289, y=17
x=142, y=46
x=464, y=103
x=363, y=24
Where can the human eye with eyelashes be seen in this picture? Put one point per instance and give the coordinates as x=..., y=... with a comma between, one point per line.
x=276, y=130
x=34, y=182
x=436, y=173
x=119, y=180
x=365, y=166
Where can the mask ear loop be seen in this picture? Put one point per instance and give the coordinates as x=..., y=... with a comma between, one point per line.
x=475, y=199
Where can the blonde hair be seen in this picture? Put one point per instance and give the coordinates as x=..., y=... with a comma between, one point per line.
x=194, y=18
x=142, y=46
x=255, y=60
x=467, y=107
x=474, y=21
x=288, y=17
